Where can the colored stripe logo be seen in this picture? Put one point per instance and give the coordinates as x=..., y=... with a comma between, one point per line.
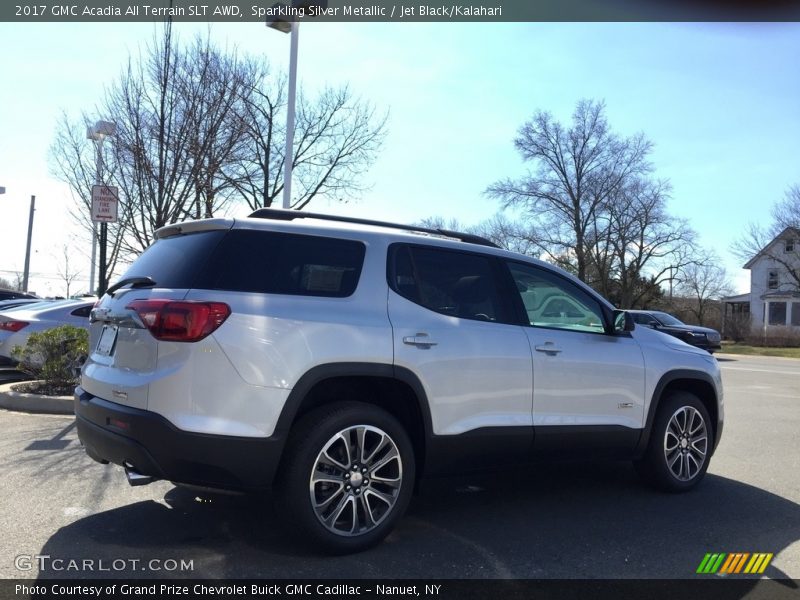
x=734, y=563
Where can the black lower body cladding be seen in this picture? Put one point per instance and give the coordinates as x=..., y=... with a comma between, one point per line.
x=151, y=445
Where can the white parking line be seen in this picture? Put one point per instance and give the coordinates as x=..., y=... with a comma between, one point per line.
x=727, y=368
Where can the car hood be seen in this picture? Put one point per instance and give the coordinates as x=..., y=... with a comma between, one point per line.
x=661, y=337
x=694, y=328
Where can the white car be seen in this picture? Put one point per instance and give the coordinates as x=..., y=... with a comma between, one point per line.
x=17, y=324
x=337, y=361
x=17, y=302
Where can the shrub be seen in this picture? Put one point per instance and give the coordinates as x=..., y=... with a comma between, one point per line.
x=776, y=337
x=738, y=327
x=54, y=356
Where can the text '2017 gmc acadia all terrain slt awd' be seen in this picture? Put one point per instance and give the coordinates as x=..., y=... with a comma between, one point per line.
x=338, y=360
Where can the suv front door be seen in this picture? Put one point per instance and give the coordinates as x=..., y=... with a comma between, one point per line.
x=588, y=384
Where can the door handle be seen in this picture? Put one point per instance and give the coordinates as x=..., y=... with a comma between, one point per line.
x=421, y=340
x=548, y=348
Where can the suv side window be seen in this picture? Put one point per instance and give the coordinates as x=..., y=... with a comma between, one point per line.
x=268, y=262
x=553, y=302
x=450, y=282
x=644, y=319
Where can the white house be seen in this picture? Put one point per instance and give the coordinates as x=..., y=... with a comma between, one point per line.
x=774, y=298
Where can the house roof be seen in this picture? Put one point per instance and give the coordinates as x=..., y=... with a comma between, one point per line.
x=738, y=298
x=781, y=295
x=792, y=231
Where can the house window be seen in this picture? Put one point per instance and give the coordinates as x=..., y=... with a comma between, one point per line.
x=777, y=313
x=788, y=246
x=796, y=314
x=772, y=280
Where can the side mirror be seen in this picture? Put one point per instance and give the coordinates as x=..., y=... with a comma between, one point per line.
x=623, y=321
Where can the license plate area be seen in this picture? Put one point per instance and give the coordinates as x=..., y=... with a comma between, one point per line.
x=108, y=338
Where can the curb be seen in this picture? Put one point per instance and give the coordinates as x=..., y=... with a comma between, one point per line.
x=34, y=403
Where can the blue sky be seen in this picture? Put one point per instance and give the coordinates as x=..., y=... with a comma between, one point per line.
x=721, y=102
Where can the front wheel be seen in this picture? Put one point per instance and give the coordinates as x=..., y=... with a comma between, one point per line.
x=347, y=476
x=679, y=450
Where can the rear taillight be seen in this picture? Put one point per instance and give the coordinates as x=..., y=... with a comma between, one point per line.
x=177, y=321
x=13, y=325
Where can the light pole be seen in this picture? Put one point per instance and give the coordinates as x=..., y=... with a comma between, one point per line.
x=98, y=133
x=291, y=25
x=27, y=270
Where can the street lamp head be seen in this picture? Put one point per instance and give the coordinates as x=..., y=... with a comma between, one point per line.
x=319, y=5
x=276, y=21
x=100, y=130
x=280, y=24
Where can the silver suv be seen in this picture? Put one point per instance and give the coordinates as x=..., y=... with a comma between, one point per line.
x=336, y=361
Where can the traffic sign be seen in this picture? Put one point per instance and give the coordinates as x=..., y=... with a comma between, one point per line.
x=105, y=199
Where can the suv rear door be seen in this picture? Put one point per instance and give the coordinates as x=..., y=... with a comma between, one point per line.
x=452, y=326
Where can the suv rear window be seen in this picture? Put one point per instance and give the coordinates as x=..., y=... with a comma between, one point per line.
x=175, y=261
x=282, y=263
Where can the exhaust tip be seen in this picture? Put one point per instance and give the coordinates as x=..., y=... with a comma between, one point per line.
x=135, y=478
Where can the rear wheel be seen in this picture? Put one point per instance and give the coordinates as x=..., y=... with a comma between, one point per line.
x=679, y=450
x=347, y=476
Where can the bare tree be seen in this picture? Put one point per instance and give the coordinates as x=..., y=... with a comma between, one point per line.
x=19, y=278
x=647, y=243
x=176, y=129
x=500, y=229
x=198, y=128
x=576, y=170
x=704, y=283
x=591, y=206
x=215, y=86
x=762, y=240
x=5, y=284
x=440, y=222
x=786, y=212
x=509, y=234
x=337, y=138
x=66, y=271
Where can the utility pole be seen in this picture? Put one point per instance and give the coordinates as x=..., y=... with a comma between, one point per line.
x=27, y=271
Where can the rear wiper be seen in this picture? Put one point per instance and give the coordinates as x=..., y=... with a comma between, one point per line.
x=135, y=282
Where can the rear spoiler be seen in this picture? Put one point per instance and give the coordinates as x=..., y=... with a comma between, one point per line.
x=192, y=227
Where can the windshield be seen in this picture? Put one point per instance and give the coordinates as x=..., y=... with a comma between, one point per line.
x=666, y=318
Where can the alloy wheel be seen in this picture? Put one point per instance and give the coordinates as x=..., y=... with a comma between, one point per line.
x=686, y=443
x=356, y=480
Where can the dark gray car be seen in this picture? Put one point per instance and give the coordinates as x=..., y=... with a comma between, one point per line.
x=703, y=337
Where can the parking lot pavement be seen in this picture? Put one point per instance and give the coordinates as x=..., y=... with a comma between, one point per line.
x=565, y=521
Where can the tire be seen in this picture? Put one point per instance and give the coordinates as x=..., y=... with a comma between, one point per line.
x=346, y=477
x=679, y=449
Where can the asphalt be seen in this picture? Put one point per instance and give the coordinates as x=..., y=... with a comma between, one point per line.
x=583, y=520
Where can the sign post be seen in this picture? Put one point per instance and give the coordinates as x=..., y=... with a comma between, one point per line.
x=105, y=201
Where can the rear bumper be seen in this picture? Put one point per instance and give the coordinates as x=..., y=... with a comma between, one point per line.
x=146, y=441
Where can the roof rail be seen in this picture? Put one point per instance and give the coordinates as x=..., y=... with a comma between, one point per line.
x=277, y=214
